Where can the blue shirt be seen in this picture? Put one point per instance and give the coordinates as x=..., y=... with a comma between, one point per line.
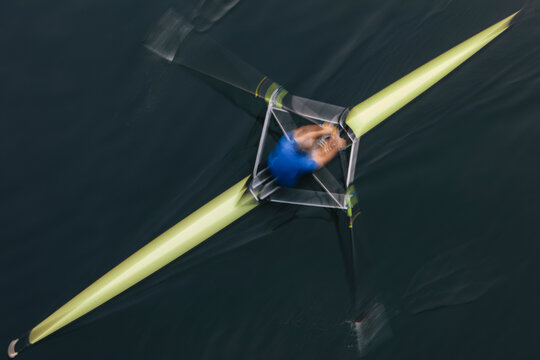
x=288, y=163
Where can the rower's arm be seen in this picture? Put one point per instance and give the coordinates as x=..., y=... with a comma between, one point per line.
x=327, y=152
x=305, y=136
x=311, y=131
x=323, y=158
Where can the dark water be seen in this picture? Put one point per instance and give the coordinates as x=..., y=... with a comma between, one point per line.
x=104, y=147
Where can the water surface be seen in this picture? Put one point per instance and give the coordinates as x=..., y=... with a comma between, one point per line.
x=104, y=147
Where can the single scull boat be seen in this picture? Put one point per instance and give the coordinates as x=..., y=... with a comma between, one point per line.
x=236, y=202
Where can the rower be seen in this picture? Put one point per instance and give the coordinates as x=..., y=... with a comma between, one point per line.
x=304, y=151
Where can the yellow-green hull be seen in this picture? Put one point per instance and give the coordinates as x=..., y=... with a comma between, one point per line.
x=371, y=112
x=232, y=204
x=188, y=233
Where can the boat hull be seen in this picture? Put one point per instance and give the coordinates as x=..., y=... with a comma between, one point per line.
x=234, y=203
x=188, y=233
x=371, y=112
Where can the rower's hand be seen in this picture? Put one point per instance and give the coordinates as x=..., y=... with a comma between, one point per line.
x=323, y=130
x=328, y=128
x=337, y=140
x=341, y=143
